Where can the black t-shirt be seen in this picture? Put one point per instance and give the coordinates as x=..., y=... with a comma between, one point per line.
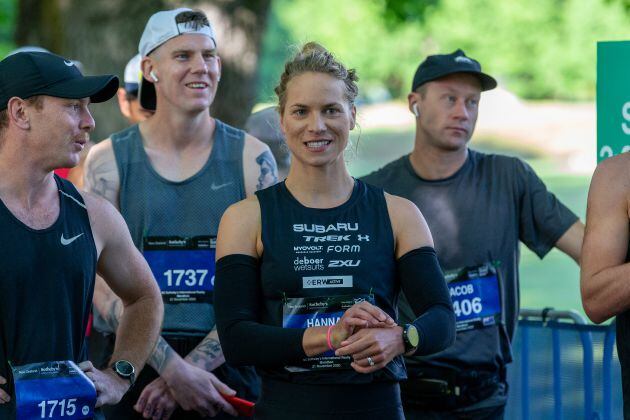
x=478, y=216
x=46, y=287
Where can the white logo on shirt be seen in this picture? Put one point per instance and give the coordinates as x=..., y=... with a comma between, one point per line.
x=215, y=187
x=68, y=63
x=65, y=241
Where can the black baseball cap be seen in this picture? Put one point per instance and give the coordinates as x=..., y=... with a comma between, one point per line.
x=27, y=74
x=440, y=65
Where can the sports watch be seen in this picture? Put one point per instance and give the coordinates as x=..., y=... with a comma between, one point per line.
x=411, y=338
x=125, y=370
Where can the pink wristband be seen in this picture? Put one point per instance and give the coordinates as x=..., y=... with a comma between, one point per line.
x=330, y=346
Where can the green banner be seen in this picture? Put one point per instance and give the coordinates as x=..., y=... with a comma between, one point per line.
x=613, y=98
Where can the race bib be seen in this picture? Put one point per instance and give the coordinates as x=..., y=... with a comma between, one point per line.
x=53, y=390
x=476, y=296
x=316, y=312
x=183, y=267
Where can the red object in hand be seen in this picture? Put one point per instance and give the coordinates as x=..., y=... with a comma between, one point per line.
x=244, y=407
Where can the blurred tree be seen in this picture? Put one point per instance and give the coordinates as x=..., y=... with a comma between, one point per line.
x=104, y=35
x=400, y=11
x=7, y=25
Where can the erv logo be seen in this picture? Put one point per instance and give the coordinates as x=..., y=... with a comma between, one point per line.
x=344, y=263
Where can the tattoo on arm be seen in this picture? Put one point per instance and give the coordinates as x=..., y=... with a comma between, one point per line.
x=268, y=170
x=108, y=322
x=208, y=354
x=100, y=173
x=162, y=354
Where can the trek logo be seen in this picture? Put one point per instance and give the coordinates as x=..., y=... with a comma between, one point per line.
x=335, y=238
x=322, y=282
x=327, y=238
x=215, y=187
x=68, y=241
x=344, y=263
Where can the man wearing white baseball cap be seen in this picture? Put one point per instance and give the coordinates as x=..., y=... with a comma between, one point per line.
x=172, y=176
x=54, y=241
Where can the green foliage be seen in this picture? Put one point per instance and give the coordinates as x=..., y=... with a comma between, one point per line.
x=539, y=49
x=400, y=11
x=354, y=30
x=8, y=10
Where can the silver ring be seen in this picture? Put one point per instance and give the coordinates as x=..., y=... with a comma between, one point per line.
x=370, y=361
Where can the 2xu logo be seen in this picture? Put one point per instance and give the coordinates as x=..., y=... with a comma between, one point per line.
x=344, y=263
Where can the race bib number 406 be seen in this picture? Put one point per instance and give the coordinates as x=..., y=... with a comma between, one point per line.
x=476, y=295
x=53, y=390
x=183, y=267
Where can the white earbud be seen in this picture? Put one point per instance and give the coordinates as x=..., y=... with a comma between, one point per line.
x=414, y=109
x=153, y=76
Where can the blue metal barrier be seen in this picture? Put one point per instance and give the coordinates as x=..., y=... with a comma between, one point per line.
x=579, y=377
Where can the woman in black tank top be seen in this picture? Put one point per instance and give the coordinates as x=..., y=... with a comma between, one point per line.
x=309, y=271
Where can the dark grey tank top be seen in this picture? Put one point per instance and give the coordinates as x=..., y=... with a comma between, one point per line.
x=175, y=224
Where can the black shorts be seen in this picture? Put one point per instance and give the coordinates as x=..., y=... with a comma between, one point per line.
x=284, y=400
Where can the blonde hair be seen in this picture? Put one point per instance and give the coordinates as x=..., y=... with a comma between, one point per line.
x=315, y=58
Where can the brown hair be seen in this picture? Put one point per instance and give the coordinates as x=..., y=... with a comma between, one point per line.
x=315, y=58
x=195, y=18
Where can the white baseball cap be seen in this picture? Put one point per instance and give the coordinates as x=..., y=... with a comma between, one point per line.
x=133, y=74
x=164, y=25
x=161, y=27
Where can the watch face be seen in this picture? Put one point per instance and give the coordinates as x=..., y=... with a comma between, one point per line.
x=412, y=336
x=124, y=368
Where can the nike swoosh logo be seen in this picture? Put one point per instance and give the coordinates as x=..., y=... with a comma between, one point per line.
x=68, y=241
x=68, y=63
x=215, y=187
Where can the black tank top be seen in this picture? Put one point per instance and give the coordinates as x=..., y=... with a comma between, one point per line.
x=46, y=286
x=309, y=254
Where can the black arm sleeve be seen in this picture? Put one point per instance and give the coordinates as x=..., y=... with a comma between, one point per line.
x=425, y=288
x=237, y=306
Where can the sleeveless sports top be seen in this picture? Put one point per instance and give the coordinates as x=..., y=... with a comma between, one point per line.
x=46, y=286
x=175, y=224
x=318, y=262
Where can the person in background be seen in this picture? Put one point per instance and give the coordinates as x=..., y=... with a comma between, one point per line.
x=479, y=207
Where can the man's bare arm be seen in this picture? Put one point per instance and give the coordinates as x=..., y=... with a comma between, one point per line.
x=100, y=175
x=571, y=241
x=604, y=272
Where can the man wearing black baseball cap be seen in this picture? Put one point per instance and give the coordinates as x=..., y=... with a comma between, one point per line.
x=55, y=239
x=478, y=207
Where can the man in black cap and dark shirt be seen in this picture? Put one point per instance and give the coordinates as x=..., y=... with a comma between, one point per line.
x=54, y=241
x=478, y=207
